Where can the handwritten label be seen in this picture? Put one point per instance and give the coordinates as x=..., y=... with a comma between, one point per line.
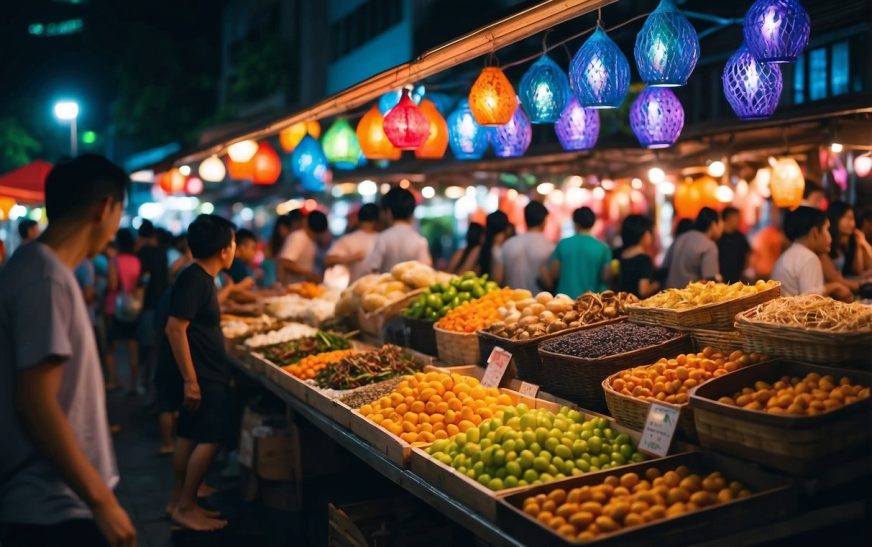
x=659, y=428
x=528, y=389
x=496, y=367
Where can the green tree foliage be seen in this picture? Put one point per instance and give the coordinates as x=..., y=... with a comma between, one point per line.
x=17, y=146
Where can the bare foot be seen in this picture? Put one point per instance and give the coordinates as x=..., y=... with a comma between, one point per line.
x=204, y=491
x=193, y=519
x=166, y=450
x=171, y=507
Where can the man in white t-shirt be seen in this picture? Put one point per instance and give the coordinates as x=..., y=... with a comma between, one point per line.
x=400, y=242
x=300, y=249
x=799, y=267
x=351, y=250
x=519, y=262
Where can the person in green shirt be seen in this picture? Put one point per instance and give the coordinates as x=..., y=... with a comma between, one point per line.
x=580, y=263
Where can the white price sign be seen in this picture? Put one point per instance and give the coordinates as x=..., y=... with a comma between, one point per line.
x=659, y=429
x=496, y=367
x=528, y=389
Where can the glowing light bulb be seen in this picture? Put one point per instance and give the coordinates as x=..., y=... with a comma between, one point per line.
x=656, y=175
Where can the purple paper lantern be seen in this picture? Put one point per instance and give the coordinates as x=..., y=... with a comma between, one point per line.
x=512, y=139
x=667, y=47
x=752, y=88
x=776, y=31
x=657, y=117
x=578, y=127
x=599, y=74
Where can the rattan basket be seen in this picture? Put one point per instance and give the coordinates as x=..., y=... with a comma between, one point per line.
x=372, y=323
x=726, y=341
x=796, y=444
x=525, y=353
x=632, y=412
x=716, y=316
x=579, y=380
x=420, y=335
x=457, y=348
x=810, y=345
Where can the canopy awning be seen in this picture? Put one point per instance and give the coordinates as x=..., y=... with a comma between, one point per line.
x=27, y=183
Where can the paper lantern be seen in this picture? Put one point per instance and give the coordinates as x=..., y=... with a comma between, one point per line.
x=242, y=151
x=240, y=170
x=492, y=98
x=444, y=103
x=786, y=182
x=290, y=137
x=599, y=74
x=6, y=205
x=667, y=47
x=708, y=192
x=862, y=165
x=657, y=117
x=405, y=125
x=267, y=166
x=578, y=127
x=308, y=158
x=512, y=139
x=776, y=31
x=752, y=88
x=340, y=145
x=468, y=140
x=544, y=91
x=372, y=139
x=194, y=186
x=390, y=99
x=437, y=140
x=687, y=200
x=212, y=169
x=172, y=182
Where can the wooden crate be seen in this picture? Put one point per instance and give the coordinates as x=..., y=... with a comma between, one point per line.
x=335, y=409
x=286, y=380
x=256, y=362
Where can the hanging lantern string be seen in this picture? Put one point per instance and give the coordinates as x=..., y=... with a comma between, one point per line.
x=573, y=37
x=545, y=42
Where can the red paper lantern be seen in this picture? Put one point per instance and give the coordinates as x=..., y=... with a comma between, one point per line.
x=171, y=182
x=492, y=98
x=266, y=165
x=405, y=125
x=372, y=139
x=240, y=170
x=437, y=141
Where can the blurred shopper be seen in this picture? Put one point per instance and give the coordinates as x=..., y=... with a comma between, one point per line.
x=733, y=247
x=635, y=265
x=799, y=268
x=813, y=196
x=850, y=256
x=400, y=242
x=196, y=344
x=57, y=465
x=2, y=253
x=124, y=304
x=281, y=231
x=498, y=229
x=178, y=256
x=523, y=256
x=28, y=230
x=240, y=276
x=581, y=262
x=865, y=224
x=694, y=255
x=155, y=279
x=465, y=259
x=352, y=250
x=298, y=253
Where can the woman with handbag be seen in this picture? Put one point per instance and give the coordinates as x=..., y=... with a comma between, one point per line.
x=124, y=297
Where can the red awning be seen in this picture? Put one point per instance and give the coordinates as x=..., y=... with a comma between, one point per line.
x=26, y=183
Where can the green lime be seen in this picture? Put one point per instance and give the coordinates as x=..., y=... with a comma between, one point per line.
x=563, y=451
x=511, y=481
x=582, y=465
x=594, y=445
x=484, y=479
x=496, y=484
x=540, y=464
x=514, y=469
x=531, y=475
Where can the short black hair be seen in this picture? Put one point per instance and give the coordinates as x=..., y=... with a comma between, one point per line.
x=684, y=225
x=810, y=188
x=584, y=217
x=294, y=215
x=243, y=235
x=368, y=213
x=867, y=215
x=728, y=212
x=535, y=214
x=704, y=220
x=164, y=237
x=24, y=226
x=146, y=228
x=317, y=222
x=73, y=186
x=400, y=202
x=209, y=234
x=634, y=228
x=125, y=240
x=799, y=222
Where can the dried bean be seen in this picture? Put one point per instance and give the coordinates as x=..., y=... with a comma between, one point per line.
x=608, y=340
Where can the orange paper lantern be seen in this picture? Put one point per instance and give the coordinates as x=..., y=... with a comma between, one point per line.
x=289, y=138
x=240, y=170
x=6, y=205
x=786, y=183
x=372, y=139
x=687, y=200
x=437, y=141
x=172, y=182
x=492, y=98
x=708, y=192
x=266, y=165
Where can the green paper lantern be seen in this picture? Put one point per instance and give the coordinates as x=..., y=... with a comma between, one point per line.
x=340, y=145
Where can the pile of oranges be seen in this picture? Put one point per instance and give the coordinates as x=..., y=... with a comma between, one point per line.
x=810, y=396
x=428, y=406
x=307, y=367
x=482, y=312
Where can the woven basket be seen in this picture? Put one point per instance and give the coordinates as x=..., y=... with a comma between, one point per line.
x=457, y=348
x=726, y=341
x=717, y=316
x=800, y=445
x=632, y=412
x=810, y=345
x=420, y=335
x=579, y=380
x=525, y=353
x=372, y=323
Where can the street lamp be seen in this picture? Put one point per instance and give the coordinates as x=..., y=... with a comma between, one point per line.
x=69, y=111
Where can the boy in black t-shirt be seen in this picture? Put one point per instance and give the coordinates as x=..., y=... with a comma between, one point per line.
x=194, y=333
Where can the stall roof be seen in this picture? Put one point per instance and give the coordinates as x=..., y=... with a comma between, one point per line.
x=26, y=183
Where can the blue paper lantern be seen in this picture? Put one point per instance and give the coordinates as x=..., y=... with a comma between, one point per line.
x=467, y=139
x=776, y=31
x=308, y=158
x=599, y=74
x=444, y=103
x=752, y=88
x=512, y=139
x=657, y=117
x=544, y=91
x=667, y=47
x=578, y=127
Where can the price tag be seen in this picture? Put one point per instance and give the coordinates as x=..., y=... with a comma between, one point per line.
x=528, y=389
x=496, y=367
x=659, y=428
